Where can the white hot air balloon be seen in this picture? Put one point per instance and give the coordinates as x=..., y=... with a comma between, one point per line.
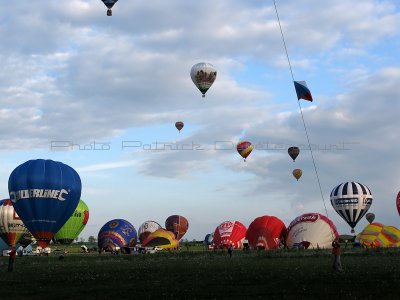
x=146, y=228
x=203, y=76
x=351, y=200
x=311, y=230
x=11, y=226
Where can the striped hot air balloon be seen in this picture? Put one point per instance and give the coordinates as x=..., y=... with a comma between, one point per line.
x=351, y=200
x=230, y=233
x=11, y=226
x=244, y=148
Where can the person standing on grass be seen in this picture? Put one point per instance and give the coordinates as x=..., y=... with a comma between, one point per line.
x=11, y=259
x=230, y=250
x=336, y=263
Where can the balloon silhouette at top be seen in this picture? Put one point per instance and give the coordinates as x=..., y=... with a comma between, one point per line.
x=44, y=193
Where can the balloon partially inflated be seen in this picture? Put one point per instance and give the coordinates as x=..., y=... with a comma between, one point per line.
x=11, y=226
x=230, y=233
x=117, y=233
x=44, y=193
x=313, y=228
x=268, y=232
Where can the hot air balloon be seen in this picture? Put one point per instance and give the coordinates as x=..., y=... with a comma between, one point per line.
x=209, y=239
x=117, y=233
x=398, y=203
x=369, y=234
x=146, y=228
x=370, y=217
x=311, y=230
x=297, y=173
x=293, y=152
x=351, y=200
x=11, y=226
x=178, y=225
x=74, y=226
x=267, y=232
x=44, y=193
x=109, y=4
x=244, y=149
x=161, y=238
x=203, y=76
x=230, y=233
x=179, y=125
x=388, y=237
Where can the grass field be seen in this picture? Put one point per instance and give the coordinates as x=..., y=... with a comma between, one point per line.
x=369, y=274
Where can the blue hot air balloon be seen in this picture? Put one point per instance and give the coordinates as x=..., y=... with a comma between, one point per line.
x=117, y=233
x=45, y=194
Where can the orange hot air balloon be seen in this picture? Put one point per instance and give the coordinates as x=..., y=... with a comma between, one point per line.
x=244, y=148
x=179, y=225
x=297, y=173
x=293, y=152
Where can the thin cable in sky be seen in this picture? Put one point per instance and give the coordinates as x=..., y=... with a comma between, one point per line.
x=301, y=111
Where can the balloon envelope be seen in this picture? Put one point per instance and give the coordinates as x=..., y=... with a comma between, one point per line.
x=179, y=225
x=230, y=233
x=244, y=149
x=74, y=226
x=117, y=233
x=44, y=193
x=161, y=238
x=315, y=229
x=351, y=200
x=398, y=203
x=203, y=76
x=11, y=226
x=146, y=228
x=379, y=235
x=179, y=125
x=370, y=217
x=267, y=232
x=209, y=239
x=297, y=173
x=109, y=3
x=293, y=152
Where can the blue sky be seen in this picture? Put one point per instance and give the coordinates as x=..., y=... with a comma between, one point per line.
x=70, y=73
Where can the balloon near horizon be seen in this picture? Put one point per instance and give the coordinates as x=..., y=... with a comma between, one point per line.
x=74, y=226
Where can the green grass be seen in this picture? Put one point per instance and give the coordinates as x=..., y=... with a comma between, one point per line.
x=204, y=275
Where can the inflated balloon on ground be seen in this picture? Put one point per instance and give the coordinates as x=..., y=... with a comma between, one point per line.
x=44, y=193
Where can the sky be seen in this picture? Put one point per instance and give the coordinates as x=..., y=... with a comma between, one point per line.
x=102, y=95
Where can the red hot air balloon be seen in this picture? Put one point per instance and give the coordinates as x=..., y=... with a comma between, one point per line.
x=398, y=202
x=244, y=148
x=266, y=232
x=178, y=225
x=230, y=233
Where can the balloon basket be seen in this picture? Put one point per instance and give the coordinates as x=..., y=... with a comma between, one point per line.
x=352, y=231
x=109, y=12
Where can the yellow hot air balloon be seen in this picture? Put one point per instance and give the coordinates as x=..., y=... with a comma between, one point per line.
x=297, y=173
